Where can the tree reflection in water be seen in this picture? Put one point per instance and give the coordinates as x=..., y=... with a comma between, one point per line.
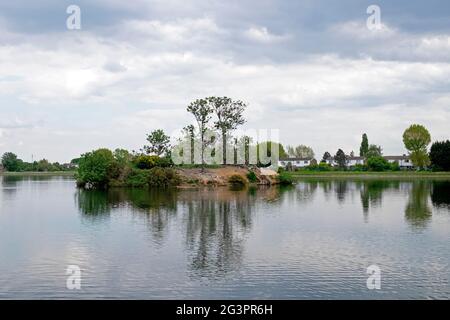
x=440, y=194
x=418, y=211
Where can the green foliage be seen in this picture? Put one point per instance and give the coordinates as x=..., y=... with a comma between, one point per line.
x=163, y=177
x=94, y=168
x=237, y=179
x=10, y=162
x=373, y=151
x=285, y=178
x=364, y=146
x=420, y=158
x=416, y=139
x=440, y=155
x=159, y=143
x=322, y=166
x=251, y=176
x=378, y=164
x=149, y=162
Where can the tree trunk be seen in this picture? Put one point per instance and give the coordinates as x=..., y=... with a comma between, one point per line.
x=224, y=147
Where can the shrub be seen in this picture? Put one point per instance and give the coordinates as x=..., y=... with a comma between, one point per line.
x=94, y=168
x=138, y=178
x=251, y=176
x=394, y=166
x=163, y=177
x=319, y=167
x=146, y=162
x=285, y=178
x=378, y=164
x=237, y=179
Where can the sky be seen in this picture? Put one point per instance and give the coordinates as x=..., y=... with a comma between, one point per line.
x=311, y=69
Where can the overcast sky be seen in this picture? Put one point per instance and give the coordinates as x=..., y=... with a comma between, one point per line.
x=309, y=68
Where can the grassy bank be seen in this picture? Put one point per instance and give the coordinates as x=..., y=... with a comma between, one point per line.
x=36, y=173
x=371, y=175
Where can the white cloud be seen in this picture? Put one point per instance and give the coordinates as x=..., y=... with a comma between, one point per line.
x=261, y=34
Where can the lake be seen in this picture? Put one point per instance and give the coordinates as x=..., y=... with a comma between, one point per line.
x=314, y=240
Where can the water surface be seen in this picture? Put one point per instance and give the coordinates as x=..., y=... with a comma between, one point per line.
x=314, y=240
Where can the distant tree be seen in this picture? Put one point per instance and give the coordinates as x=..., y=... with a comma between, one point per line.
x=122, y=156
x=229, y=116
x=352, y=154
x=300, y=151
x=10, y=162
x=44, y=166
x=341, y=159
x=364, y=145
x=326, y=156
x=373, y=151
x=440, y=155
x=159, y=143
x=201, y=111
x=416, y=139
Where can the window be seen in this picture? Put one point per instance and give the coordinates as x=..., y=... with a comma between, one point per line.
x=306, y=161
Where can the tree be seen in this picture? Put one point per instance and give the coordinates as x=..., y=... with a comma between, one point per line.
x=300, y=151
x=201, y=111
x=94, y=167
x=326, y=156
x=373, y=151
x=416, y=139
x=440, y=155
x=364, y=146
x=229, y=116
x=10, y=162
x=341, y=159
x=159, y=143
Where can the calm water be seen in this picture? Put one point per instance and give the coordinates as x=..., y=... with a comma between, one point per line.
x=314, y=240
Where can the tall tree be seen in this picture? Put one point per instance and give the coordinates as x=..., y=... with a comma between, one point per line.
x=229, y=114
x=326, y=156
x=416, y=139
x=159, y=143
x=440, y=155
x=364, y=146
x=341, y=159
x=201, y=110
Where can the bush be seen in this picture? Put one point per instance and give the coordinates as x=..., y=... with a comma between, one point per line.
x=94, y=168
x=319, y=167
x=138, y=178
x=378, y=164
x=251, y=176
x=237, y=179
x=146, y=162
x=163, y=177
x=285, y=178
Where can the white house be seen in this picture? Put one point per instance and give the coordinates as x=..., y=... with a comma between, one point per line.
x=295, y=162
x=350, y=161
x=403, y=161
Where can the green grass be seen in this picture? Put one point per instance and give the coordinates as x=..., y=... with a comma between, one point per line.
x=368, y=174
x=36, y=173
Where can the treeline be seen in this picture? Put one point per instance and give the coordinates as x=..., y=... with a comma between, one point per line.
x=11, y=163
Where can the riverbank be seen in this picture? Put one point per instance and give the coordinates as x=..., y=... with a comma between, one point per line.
x=36, y=173
x=371, y=175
